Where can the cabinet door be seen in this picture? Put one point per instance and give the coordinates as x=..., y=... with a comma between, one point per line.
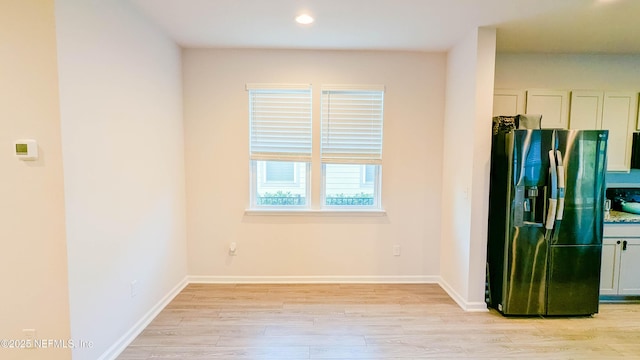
x=610, y=266
x=508, y=102
x=586, y=110
x=619, y=114
x=553, y=105
x=629, y=283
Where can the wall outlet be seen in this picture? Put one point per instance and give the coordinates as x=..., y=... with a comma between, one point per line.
x=134, y=287
x=396, y=250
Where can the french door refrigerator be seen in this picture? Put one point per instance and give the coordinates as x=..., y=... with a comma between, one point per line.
x=545, y=221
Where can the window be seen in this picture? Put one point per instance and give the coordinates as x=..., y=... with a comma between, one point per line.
x=351, y=146
x=280, y=127
x=280, y=144
x=279, y=172
x=368, y=174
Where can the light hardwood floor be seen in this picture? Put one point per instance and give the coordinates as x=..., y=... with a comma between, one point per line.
x=353, y=321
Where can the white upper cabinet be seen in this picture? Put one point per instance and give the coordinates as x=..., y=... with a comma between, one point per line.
x=508, y=102
x=586, y=110
x=613, y=111
x=619, y=116
x=553, y=105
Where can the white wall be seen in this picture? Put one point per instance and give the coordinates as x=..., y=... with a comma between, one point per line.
x=312, y=247
x=568, y=71
x=485, y=75
x=458, y=162
x=123, y=147
x=467, y=147
x=33, y=258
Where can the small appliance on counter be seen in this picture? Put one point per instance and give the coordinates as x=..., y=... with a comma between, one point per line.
x=624, y=199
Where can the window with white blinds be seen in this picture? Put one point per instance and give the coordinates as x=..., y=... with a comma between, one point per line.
x=280, y=122
x=351, y=129
x=281, y=134
x=351, y=141
x=280, y=138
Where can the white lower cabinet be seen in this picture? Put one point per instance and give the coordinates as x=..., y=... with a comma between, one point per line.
x=620, y=274
x=610, y=270
x=629, y=283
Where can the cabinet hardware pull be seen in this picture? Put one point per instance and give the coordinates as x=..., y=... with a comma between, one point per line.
x=624, y=245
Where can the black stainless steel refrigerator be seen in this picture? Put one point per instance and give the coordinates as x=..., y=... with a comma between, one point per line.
x=545, y=221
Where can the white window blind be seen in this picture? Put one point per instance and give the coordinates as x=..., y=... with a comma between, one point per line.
x=352, y=119
x=280, y=122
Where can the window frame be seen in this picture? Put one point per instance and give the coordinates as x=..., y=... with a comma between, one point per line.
x=312, y=160
x=363, y=178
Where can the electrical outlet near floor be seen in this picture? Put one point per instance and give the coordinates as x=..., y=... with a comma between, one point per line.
x=396, y=250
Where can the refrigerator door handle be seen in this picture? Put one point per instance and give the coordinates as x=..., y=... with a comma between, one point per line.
x=553, y=197
x=561, y=185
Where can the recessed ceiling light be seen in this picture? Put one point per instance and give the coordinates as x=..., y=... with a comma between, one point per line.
x=304, y=19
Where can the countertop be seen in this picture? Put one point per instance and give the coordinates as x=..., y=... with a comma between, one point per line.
x=615, y=217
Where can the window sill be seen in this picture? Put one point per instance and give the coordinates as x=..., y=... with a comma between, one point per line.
x=309, y=212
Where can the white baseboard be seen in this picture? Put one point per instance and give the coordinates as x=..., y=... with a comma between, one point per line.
x=411, y=279
x=126, y=339
x=466, y=306
x=476, y=307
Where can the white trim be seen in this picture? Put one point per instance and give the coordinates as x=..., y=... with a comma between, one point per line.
x=125, y=340
x=476, y=307
x=409, y=279
x=352, y=87
x=271, y=86
x=466, y=306
x=311, y=212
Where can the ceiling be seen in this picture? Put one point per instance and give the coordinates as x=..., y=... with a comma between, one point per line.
x=567, y=26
